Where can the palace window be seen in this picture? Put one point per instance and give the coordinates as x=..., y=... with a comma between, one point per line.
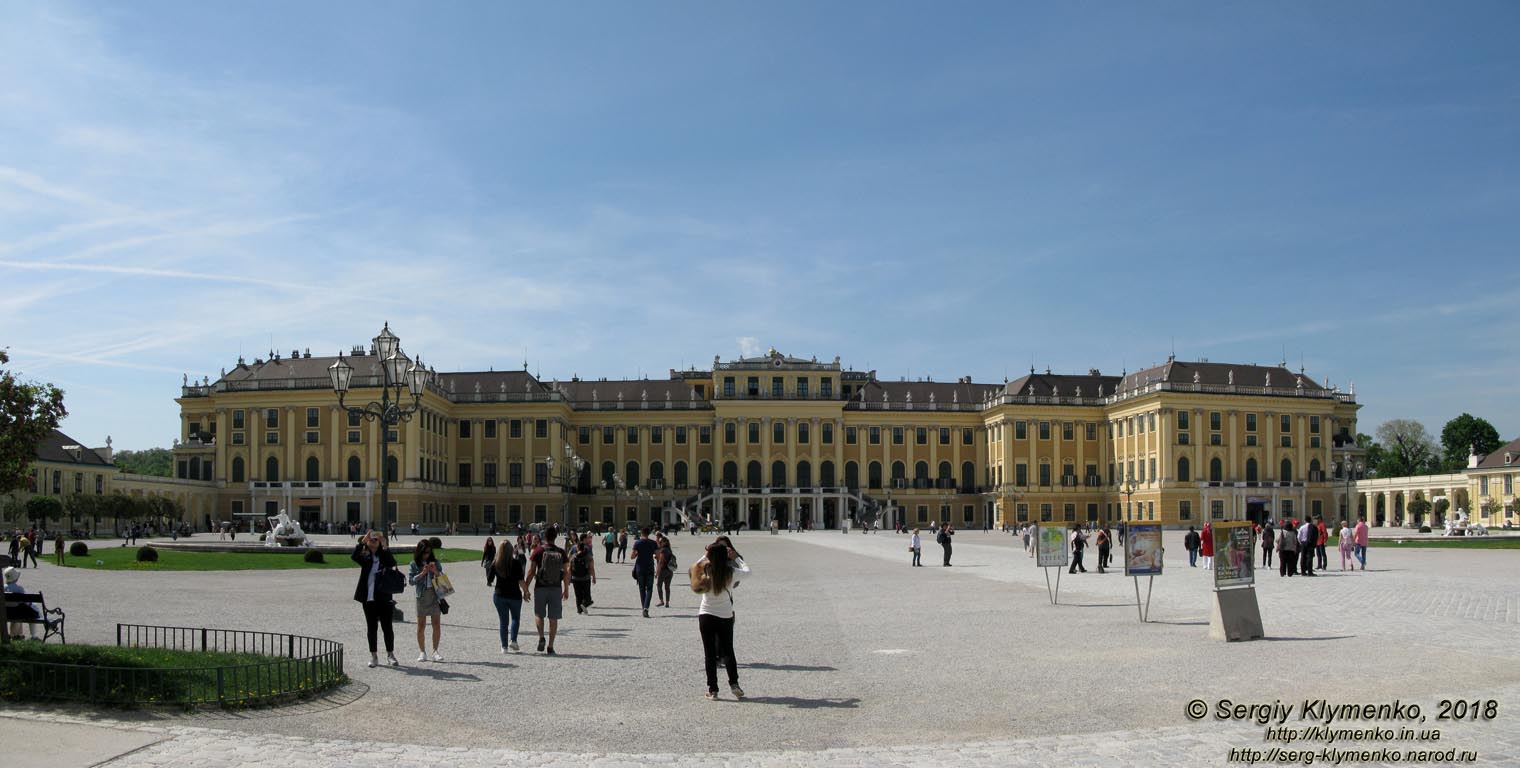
x=1044, y=474
x=1286, y=424
x=754, y=433
x=1023, y=513
x=311, y=437
x=465, y=472
x=354, y=418
x=1044, y=430
x=272, y=417
x=802, y=433
x=490, y=425
x=1069, y=513
x=704, y=435
x=1045, y=510
x=656, y=435
x=968, y=437
x=1021, y=474
x=921, y=436
x=778, y=432
x=802, y=387
x=778, y=387
x=514, y=429
x=353, y=436
x=680, y=435
x=944, y=436
x=541, y=429
x=584, y=435
x=515, y=475
x=1068, y=431
x=271, y=438
x=631, y=436
x=850, y=436
x=1182, y=419
x=465, y=428
x=875, y=436
x=540, y=474
x=897, y=435
x=828, y=433
x=826, y=388
x=730, y=432
x=752, y=386
x=1021, y=430
x=1184, y=510
x=728, y=386
x=1092, y=431
x=1250, y=422
x=238, y=419
x=1215, y=420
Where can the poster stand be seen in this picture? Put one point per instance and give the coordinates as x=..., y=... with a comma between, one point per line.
x=1235, y=614
x=1050, y=552
x=1055, y=594
x=1145, y=613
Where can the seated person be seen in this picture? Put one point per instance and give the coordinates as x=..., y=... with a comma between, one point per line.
x=21, y=612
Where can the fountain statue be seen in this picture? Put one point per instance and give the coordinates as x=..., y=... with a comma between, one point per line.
x=284, y=531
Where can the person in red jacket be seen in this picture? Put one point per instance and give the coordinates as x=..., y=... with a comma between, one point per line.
x=1208, y=545
x=1323, y=535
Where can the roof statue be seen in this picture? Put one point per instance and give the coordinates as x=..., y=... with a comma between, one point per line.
x=644, y=395
x=477, y=387
x=504, y=387
x=1196, y=377
x=184, y=379
x=931, y=397
x=451, y=385
x=955, y=397
x=1079, y=393
x=1269, y=379
x=1232, y=377
x=593, y=395
x=1055, y=390
x=1300, y=384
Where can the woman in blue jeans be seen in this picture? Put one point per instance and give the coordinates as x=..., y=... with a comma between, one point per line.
x=510, y=592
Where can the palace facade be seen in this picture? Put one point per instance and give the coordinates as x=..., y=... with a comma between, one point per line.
x=773, y=437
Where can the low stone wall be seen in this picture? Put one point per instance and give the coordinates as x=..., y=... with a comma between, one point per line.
x=252, y=546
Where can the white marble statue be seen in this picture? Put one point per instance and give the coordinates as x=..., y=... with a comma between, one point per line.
x=281, y=526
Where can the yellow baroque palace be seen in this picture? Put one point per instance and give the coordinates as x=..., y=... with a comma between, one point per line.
x=772, y=438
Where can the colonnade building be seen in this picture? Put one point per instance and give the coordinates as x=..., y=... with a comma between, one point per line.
x=768, y=438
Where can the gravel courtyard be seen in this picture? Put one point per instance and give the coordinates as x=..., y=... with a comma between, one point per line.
x=841, y=644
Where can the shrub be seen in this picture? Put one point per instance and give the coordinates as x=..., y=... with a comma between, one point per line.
x=1424, y=529
x=147, y=555
x=262, y=536
x=436, y=542
x=314, y=556
x=79, y=549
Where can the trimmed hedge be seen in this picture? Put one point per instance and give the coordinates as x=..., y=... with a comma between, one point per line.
x=79, y=549
x=314, y=556
x=147, y=555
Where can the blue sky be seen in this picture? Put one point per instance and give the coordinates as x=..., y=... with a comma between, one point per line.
x=615, y=189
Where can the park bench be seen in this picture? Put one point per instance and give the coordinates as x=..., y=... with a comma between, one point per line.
x=51, y=618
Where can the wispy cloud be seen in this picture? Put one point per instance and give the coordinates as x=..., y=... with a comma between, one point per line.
x=107, y=269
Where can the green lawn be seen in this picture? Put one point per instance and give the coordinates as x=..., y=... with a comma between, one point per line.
x=119, y=679
x=1456, y=542
x=125, y=559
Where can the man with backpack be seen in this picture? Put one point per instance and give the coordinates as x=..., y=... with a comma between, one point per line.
x=549, y=573
x=943, y=539
x=1192, y=542
x=583, y=573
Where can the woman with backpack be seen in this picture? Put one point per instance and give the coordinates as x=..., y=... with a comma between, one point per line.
x=511, y=589
x=622, y=545
x=665, y=564
x=488, y=559
x=375, y=559
x=421, y=575
x=583, y=573
x=714, y=577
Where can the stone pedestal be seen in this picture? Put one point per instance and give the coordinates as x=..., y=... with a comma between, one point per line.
x=1235, y=616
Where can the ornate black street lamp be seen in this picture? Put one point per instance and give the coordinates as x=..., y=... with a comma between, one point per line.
x=398, y=373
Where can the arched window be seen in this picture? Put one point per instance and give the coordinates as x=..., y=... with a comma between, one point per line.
x=631, y=474
x=680, y=478
x=754, y=475
x=968, y=476
x=608, y=470
x=237, y=469
x=656, y=474
x=354, y=471
x=704, y=474
x=873, y=475
x=392, y=469
x=1216, y=470
x=852, y=475
x=1251, y=470
x=272, y=470
x=1314, y=470
x=731, y=474
x=946, y=476
x=1287, y=470
x=313, y=469
x=804, y=475
x=899, y=474
x=826, y=474
x=1184, y=470
x=778, y=474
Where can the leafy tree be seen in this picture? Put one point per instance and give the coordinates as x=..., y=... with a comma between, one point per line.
x=28, y=413
x=12, y=510
x=83, y=506
x=1407, y=449
x=1418, y=508
x=1463, y=434
x=158, y=462
x=1375, y=452
x=44, y=507
x=1441, y=508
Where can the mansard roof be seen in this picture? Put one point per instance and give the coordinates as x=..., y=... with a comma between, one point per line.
x=510, y=382
x=1220, y=375
x=1495, y=459
x=1091, y=385
x=607, y=393
x=925, y=392
x=60, y=448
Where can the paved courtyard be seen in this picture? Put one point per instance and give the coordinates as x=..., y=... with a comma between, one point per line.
x=849, y=657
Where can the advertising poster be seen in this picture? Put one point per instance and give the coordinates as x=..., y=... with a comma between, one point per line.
x=1050, y=546
x=1233, y=555
x=1142, y=550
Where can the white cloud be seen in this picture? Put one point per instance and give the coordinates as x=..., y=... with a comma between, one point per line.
x=749, y=346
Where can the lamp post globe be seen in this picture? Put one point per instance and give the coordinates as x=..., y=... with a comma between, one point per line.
x=386, y=343
x=340, y=373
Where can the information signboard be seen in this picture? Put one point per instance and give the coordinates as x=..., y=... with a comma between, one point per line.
x=1233, y=563
x=1050, y=546
x=1142, y=550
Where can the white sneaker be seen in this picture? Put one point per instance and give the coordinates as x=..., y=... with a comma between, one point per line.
x=437, y=656
x=374, y=661
x=391, y=657
x=422, y=656
x=504, y=650
x=514, y=647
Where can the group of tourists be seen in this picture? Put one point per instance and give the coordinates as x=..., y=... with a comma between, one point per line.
x=537, y=570
x=1301, y=545
x=941, y=537
x=26, y=546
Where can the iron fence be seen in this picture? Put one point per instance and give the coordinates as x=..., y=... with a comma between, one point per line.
x=289, y=666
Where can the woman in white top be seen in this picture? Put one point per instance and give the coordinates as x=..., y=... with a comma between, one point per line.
x=916, y=547
x=1345, y=545
x=718, y=574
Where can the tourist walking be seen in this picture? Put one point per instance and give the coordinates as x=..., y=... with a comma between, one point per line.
x=610, y=542
x=622, y=542
x=549, y=573
x=715, y=577
x=375, y=559
x=422, y=575
x=944, y=541
x=915, y=545
x=1307, y=535
x=1191, y=542
x=1287, y=550
x=1029, y=540
x=58, y=548
x=1359, y=541
x=643, y=568
x=1078, y=544
x=1105, y=548
x=511, y=590
x=1268, y=541
x=1344, y=545
x=1206, y=545
x=488, y=560
x=665, y=567
x=583, y=573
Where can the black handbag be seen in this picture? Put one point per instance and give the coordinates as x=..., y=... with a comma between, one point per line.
x=391, y=581
x=443, y=605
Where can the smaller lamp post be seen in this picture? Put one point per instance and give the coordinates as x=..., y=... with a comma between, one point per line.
x=398, y=374
x=570, y=472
